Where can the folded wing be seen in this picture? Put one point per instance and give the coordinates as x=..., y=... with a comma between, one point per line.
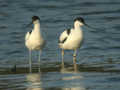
x=64, y=36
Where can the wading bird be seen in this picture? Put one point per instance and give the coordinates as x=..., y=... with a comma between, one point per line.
x=71, y=39
x=34, y=40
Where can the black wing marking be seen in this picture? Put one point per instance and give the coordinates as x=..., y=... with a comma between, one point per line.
x=30, y=31
x=68, y=31
x=63, y=40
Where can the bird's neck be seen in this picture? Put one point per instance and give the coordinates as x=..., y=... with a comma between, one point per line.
x=78, y=27
x=37, y=27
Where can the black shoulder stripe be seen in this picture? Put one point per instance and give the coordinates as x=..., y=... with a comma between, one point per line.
x=63, y=40
x=68, y=31
x=30, y=31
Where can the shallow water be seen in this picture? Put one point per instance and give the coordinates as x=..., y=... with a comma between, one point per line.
x=98, y=60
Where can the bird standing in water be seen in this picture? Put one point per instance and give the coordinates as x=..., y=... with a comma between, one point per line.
x=34, y=40
x=71, y=39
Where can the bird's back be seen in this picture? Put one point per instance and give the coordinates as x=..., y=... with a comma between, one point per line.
x=34, y=40
x=63, y=36
x=71, y=40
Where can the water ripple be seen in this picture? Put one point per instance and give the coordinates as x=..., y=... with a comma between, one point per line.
x=93, y=60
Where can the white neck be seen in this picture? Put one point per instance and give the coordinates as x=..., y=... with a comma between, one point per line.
x=37, y=26
x=78, y=25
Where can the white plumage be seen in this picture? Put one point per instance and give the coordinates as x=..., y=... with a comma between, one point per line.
x=34, y=39
x=72, y=39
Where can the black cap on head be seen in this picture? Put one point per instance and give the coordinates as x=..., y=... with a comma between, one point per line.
x=35, y=18
x=79, y=19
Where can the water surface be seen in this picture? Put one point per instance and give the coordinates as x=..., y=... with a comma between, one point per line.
x=98, y=65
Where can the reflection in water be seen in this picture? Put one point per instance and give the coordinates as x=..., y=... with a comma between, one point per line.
x=73, y=88
x=34, y=81
x=75, y=66
x=35, y=89
x=68, y=77
x=74, y=76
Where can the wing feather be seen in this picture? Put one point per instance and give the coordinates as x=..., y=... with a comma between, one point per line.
x=64, y=35
x=27, y=36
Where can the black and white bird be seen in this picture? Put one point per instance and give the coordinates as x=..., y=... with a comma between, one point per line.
x=71, y=39
x=34, y=40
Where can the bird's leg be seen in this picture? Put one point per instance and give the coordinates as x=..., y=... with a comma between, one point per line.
x=39, y=59
x=74, y=56
x=62, y=66
x=62, y=57
x=75, y=67
x=30, y=61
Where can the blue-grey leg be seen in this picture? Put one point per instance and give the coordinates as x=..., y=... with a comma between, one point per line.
x=39, y=59
x=30, y=61
x=75, y=67
x=62, y=53
x=74, y=56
